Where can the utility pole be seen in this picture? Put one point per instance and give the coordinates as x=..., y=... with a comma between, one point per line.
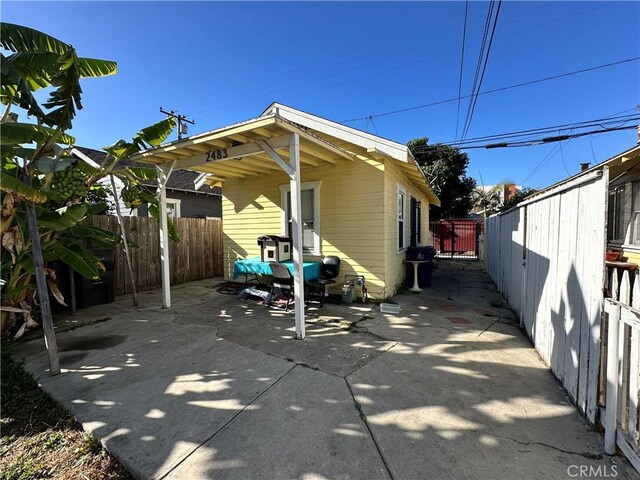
x=182, y=120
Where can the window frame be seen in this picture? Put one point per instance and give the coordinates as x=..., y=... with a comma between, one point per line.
x=176, y=209
x=315, y=187
x=401, y=219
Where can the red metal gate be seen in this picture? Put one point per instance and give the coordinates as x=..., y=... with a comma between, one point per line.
x=457, y=238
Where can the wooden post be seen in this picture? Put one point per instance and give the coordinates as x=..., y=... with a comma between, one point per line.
x=163, y=177
x=611, y=418
x=125, y=245
x=296, y=227
x=43, y=290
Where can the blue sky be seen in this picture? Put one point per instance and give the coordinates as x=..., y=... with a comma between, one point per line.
x=220, y=63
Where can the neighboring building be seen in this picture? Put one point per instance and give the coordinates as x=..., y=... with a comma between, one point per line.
x=623, y=209
x=364, y=198
x=188, y=194
x=500, y=194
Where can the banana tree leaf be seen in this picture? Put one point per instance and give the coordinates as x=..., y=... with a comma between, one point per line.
x=157, y=133
x=91, y=67
x=21, y=133
x=23, y=96
x=173, y=233
x=21, y=190
x=77, y=259
x=84, y=231
x=50, y=165
x=96, y=208
x=143, y=173
x=8, y=152
x=62, y=218
x=17, y=38
x=87, y=169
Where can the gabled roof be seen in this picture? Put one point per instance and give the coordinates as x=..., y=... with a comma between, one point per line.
x=322, y=142
x=184, y=180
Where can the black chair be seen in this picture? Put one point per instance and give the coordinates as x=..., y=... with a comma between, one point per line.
x=330, y=270
x=283, y=280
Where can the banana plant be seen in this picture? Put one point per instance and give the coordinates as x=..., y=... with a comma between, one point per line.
x=38, y=61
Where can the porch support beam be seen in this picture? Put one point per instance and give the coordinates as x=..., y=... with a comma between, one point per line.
x=164, y=172
x=219, y=153
x=288, y=169
x=296, y=226
x=293, y=170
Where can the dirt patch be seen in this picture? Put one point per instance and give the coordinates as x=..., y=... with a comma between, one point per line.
x=42, y=440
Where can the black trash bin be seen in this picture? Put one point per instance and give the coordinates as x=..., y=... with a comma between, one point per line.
x=424, y=269
x=96, y=292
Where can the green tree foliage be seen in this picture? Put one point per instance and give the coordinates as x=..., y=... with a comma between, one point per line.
x=446, y=169
x=45, y=192
x=488, y=200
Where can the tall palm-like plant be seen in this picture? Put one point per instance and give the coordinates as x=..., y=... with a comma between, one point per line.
x=43, y=188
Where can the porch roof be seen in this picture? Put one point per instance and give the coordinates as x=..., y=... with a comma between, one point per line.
x=238, y=151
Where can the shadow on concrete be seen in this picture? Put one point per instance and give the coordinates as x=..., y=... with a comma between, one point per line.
x=217, y=388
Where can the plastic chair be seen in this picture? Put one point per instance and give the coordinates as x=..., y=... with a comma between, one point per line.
x=283, y=280
x=330, y=270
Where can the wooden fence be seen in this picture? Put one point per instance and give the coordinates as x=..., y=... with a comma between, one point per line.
x=197, y=255
x=547, y=257
x=622, y=367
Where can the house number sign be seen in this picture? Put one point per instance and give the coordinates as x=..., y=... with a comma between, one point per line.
x=216, y=155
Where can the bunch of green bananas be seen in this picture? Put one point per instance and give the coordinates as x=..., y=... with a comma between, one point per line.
x=131, y=196
x=70, y=182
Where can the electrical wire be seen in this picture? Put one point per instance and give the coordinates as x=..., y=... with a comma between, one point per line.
x=566, y=126
x=474, y=99
x=316, y=78
x=464, y=37
x=501, y=89
x=541, y=141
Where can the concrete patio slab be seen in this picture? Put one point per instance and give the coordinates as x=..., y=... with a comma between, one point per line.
x=220, y=388
x=155, y=405
x=305, y=426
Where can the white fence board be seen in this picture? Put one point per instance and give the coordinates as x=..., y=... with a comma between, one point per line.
x=557, y=290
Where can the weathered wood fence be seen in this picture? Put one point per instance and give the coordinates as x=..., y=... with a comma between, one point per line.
x=198, y=255
x=622, y=364
x=547, y=257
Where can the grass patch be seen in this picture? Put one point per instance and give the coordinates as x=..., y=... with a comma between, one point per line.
x=42, y=440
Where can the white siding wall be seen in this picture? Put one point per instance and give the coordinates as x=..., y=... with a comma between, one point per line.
x=557, y=289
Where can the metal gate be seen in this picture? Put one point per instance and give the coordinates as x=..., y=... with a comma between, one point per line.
x=457, y=238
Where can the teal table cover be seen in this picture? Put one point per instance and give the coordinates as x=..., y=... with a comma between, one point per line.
x=254, y=266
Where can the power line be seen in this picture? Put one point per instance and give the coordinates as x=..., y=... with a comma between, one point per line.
x=317, y=78
x=501, y=89
x=475, y=88
x=464, y=37
x=550, y=155
x=621, y=121
x=541, y=141
x=474, y=100
x=566, y=126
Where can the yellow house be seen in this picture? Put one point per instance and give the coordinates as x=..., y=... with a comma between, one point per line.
x=358, y=210
x=361, y=197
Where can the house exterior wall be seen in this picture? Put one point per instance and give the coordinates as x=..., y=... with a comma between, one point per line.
x=192, y=205
x=351, y=197
x=395, y=269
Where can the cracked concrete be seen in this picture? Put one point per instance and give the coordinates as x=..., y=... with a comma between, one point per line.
x=220, y=388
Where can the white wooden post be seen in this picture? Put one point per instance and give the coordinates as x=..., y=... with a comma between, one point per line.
x=296, y=230
x=611, y=418
x=163, y=177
